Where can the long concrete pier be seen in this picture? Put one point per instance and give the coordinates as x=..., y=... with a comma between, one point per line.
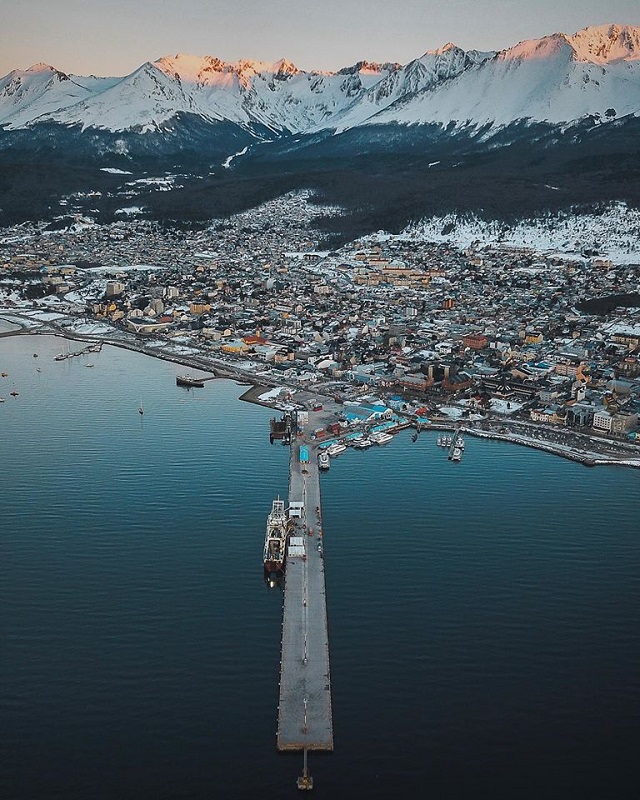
x=304, y=710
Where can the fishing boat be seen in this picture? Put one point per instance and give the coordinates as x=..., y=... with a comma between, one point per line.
x=324, y=462
x=275, y=542
x=456, y=455
x=460, y=442
x=380, y=437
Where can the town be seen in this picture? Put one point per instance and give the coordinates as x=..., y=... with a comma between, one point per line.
x=485, y=333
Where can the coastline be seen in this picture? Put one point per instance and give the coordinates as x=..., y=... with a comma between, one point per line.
x=590, y=455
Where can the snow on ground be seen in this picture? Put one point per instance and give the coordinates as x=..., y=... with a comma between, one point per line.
x=182, y=350
x=504, y=407
x=120, y=268
x=615, y=234
x=163, y=184
x=450, y=411
x=44, y=316
x=273, y=394
x=130, y=210
x=19, y=322
x=91, y=328
x=227, y=162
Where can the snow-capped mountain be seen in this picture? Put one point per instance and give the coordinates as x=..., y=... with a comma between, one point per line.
x=557, y=79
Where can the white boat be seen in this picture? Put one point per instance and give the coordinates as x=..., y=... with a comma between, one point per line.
x=336, y=449
x=460, y=442
x=380, y=438
x=456, y=455
x=439, y=441
x=324, y=462
x=362, y=444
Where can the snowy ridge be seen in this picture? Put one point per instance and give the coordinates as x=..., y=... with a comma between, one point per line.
x=559, y=79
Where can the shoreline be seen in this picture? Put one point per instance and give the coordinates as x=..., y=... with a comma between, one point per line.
x=256, y=387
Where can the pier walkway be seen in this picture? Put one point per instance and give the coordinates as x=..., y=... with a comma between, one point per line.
x=304, y=710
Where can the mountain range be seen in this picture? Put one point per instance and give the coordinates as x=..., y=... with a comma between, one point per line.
x=450, y=108
x=557, y=79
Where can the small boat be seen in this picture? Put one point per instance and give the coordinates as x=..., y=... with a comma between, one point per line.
x=324, y=462
x=456, y=455
x=362, y=444
x=1, y=399
x=380, y=438
x=140, y=409
x=14, y=393
x=38, y=369
x=460, y=442
x=189, y=381
x=35, y=355
x=439, y=441
x=88, y=365
x=336, y=449
x=4, y=374
x=414, y=438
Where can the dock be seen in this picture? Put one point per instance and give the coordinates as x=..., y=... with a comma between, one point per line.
x=304, y=709
x=454, y=442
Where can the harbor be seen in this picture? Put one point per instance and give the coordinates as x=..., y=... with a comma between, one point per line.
x=155, y=632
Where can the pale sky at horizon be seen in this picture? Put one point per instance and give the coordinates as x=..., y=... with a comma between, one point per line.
x=114, y=37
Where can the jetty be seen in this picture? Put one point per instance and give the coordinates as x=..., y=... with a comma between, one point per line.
x=454, y=443
x=95, y=347
x=304, y=709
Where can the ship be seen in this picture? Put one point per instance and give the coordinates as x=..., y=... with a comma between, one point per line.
x=275, y=541
x=283, y=428
x=336, y=449
x=380, y=437
x=456, y=455
x=362, y=444
x=189, y=380
x=324, y=462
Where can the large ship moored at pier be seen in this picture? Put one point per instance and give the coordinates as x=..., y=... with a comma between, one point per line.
x=275, y=542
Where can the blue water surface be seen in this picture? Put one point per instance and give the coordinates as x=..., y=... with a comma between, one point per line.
x=483, y=616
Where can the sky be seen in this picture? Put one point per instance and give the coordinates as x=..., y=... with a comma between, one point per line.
x=114, y=37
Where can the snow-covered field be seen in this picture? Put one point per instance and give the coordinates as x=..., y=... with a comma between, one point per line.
x=615, y=234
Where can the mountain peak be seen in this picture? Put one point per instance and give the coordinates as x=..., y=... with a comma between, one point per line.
x=606, y=43
x=284, y=67
x=41, y=67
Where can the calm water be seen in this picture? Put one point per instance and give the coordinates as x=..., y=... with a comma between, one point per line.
x=483, y=616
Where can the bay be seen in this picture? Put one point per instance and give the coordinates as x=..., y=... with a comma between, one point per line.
x=483, y=616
